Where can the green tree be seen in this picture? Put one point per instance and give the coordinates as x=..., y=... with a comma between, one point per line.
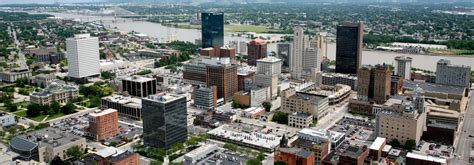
x=94, y=102
x=280, y=117
x=12, y=107
x=410, y=144
x=395, y=143
x=12, y=131
x=107, y=75
x=55, y=108
x=74, y=152
x=68, y=108
x=33, y=110
x=267, y=105
x=21, y=82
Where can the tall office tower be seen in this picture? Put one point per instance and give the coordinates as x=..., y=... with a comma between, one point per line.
x=455, y=75
x=139, y=86
x=268, y=71
x=83, y=56
x=296, y=58
x=311, y=60
x=103, y=124
x=206, y=98
x=212, y=26
x=373, y=83
x=256, y=49
x=269, y=65
x=164, y=120
x=349, y=47
x=403, y=67
x=321, y=43
x=284, y=53
x=224, y=77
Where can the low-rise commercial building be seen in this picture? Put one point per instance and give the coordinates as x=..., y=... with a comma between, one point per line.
x=417, y=159
x=112, y=156
x=354, y=155
x=376, y=148
x=45, y=144
x=127, y=107
x=339, y=78
x=336, y=94
x=294, y=156
x=305, y=102
x=251, y=139
x=300, y=120
x=7, y=120
x=456, y=98
x=198, y=154
x=314, y=141
x=442, y=124
x=253, y=112
x=55, y=92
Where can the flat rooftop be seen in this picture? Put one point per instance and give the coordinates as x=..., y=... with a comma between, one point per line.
x=314, y=99
x=377, y=145
x=126, y=101
x=138, y=79
x=426, y=157
x=164, y=98
x=255, y=138
x=102, y=112
x=204, y=148
x=296, y=151
x=352, y=151
x=437, y=88
x=51, y=136
x=269, y=59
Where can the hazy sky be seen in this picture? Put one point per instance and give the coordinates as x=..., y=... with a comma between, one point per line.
x=45, y=1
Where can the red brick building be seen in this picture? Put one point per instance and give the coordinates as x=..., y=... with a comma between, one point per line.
x=354, y=155
x=112, y=156
x=103, y=124
x=294, y=156
x=256, y=49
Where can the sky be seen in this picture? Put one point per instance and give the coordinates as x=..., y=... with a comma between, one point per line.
x=79, y=1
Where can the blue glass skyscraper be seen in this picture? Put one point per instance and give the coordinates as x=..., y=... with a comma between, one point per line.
x=212, y=26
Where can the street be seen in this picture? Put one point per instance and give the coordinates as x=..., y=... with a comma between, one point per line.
x=464, y=145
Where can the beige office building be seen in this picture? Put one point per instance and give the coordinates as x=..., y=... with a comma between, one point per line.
x=305, y=102
x=402, y=119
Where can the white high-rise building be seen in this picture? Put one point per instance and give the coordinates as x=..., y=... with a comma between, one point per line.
x=296, y=58
x=403, y=67
x=83, y=56
x=455, y=75
x=311, y=60
x=269, y=65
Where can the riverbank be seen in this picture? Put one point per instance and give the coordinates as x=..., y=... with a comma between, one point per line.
x=227, y=27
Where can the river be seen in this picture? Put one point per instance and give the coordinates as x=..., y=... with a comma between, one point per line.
x=159, y=31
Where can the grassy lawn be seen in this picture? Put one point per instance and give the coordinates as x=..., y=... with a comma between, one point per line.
x=246, y=28
x=450, y=52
